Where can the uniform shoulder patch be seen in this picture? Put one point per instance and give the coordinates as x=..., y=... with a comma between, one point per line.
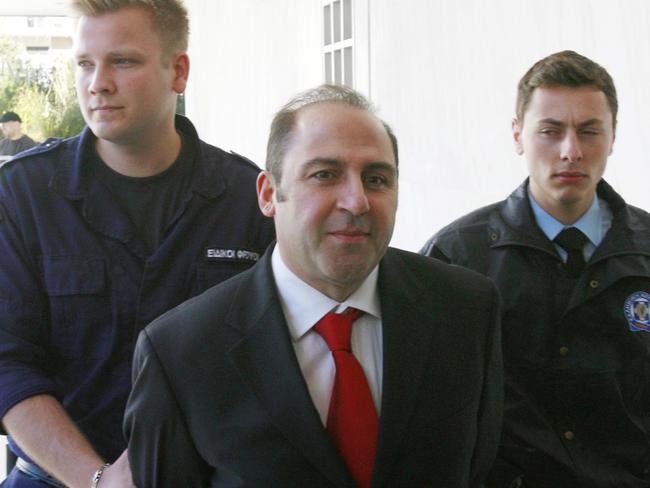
x=637, y=311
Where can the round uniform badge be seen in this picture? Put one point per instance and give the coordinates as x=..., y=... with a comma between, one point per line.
x=637, y=311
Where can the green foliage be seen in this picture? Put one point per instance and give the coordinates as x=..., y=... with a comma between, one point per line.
x=44, y=98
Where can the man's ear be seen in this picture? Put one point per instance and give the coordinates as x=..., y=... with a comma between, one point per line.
x=516, y=135
x=265, y=192
x=181, y=65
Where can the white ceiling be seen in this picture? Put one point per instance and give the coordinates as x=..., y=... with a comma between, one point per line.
x=34, y=7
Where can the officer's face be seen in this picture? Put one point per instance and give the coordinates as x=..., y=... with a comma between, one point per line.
x=126, y=86
x=567, y=135
x=339, y=197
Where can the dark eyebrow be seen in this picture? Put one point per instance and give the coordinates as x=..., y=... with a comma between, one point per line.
x=333, y=162
x=381, y=166
x=337, y=163
x=589, y=122
x=118, y=53
x=121, y=53
x=557, y=123
x=550, y=121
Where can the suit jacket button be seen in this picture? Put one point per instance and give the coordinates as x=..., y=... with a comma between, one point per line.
x=594, y=284
x=564, y=351
x=569, y=436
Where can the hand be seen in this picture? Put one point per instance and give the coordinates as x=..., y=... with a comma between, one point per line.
x=118, y=474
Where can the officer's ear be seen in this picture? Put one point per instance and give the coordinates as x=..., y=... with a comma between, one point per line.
x=181, y=65
x=517, y=128
x=265, y=192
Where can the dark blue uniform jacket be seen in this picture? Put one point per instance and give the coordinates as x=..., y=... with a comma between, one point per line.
x=76, y=285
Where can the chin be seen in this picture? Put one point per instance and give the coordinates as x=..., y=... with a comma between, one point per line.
x=570, y=199
x=349, y=272
x=101, y=130
x=108, y=134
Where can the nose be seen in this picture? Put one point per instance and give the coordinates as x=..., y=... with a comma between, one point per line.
x=571, y=150
x=101, y=80
x=353, y=198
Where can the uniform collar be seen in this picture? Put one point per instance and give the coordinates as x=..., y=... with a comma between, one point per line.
x=73, y=179
x=303, y=305
x=514, y=223
x=590, y=223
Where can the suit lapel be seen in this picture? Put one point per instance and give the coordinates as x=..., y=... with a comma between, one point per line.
x=267, y=363
x=407, y=346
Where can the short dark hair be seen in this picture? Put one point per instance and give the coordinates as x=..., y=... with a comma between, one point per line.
x=565, y=68
x=10, y=117
x=170, y=20
x=284, y=121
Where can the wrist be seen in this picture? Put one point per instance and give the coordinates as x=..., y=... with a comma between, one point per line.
x=97, y=475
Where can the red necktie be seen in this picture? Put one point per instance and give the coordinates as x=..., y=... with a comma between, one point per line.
x=352, y=417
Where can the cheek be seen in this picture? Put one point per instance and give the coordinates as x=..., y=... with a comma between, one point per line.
x=602, y=164
x=311, y=207
x=600, y=152
x=310, y=217
x=535, y=167
x=295, y=218
x=384, y=211
x=80, y=85
x=81, y=89
x=138, y=82
x=541, y=156
x=134, y=85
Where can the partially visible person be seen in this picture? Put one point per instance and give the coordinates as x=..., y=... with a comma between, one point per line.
x=14, y=140
x=572, y=262
x=103, y=232
x=335, y=361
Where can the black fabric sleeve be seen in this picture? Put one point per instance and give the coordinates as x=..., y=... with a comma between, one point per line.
x=161, y=451
x=490, y=415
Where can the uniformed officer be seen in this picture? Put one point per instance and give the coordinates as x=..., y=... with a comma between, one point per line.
x=572, y=262
x=103, y=232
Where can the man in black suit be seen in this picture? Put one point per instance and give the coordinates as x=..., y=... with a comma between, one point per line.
x=238, y=386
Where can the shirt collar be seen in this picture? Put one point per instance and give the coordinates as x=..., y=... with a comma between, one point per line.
x=73, y=177
x=590, y=223
x=303, y=305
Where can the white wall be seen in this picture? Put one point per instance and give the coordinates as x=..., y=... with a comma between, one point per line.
x=248, y=57
x=444, y=75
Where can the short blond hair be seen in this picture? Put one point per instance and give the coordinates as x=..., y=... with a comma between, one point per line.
x=169, y=18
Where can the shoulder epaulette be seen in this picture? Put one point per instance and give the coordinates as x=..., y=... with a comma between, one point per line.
x=244, y=159
x=44, y=147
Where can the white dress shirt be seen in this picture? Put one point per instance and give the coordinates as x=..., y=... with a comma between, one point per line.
x=304, y=306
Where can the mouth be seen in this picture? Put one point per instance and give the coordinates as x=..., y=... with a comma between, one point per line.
x=105, y=108
x=350, y=236
x=570, y=176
